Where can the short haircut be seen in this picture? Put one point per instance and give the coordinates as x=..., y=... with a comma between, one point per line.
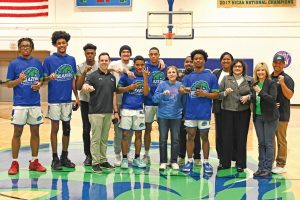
x=154, y=48
x=125, y=47
x=56, y=35
x=261, y=65
x=234, y=63
x=89, y=46
x=199, y=51
x=172, y=67
x=187, y=57
x=138, y=58
x=27, y=40
x=103, y=54
x=225, y=54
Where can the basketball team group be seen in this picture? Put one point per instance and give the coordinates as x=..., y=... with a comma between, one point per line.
x=132, y=94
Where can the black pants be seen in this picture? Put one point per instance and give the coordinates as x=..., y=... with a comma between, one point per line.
x=182, y=143
x=218, y=127
x=235, y=126
x=84, y=108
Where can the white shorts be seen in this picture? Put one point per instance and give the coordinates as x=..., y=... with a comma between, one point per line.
x=62, y=111
x=31, y=115
x=200, y=124
x=132, y=120
x=150, y=114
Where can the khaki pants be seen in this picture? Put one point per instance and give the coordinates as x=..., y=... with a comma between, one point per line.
x=281, y=144
x=100, y=124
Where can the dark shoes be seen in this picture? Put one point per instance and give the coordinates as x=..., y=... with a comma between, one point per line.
x=220, y=167
x=106, y=165
x=66, y=162
x=56, y=165
x=88, y=160
x=262, y=174
x=266, y=174
x=257, y=173
x=97, y=169
x=239, y=169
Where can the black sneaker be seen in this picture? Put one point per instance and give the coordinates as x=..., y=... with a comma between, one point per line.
x=56, y=165
x=97, y=169
x=106, y=165
x=66, y=162
x=239, y=169
x=88, y=161
x=265, y=174
x=220, y=167
x=257, y=173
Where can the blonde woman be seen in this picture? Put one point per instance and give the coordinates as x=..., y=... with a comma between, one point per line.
x=265, y=117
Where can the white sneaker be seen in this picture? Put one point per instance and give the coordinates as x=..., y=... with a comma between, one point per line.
x=117, y=162
x=163, y=166
x=130, y=159
x=146, y=160
x=175, y=166
x=197, y=162
x=279, y=170
x=180, y=161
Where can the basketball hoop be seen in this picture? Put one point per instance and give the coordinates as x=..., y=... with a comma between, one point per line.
x=169, y=37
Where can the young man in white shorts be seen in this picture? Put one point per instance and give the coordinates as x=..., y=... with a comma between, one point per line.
x=132, y=113
x=117, y=68
x=60, y=70
x=201, y=86
x=25, y=75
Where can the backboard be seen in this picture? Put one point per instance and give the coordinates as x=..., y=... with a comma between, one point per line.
x=177, y=24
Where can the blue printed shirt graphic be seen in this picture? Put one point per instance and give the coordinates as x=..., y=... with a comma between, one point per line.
x=199, y=108
x=169, y=106
x=155, y=78
x=33, y=70
x=60, y=89
x=132, y=100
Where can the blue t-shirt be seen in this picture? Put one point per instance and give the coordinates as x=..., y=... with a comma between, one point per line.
x=23, y=93
x=169, y=106
x=132, y=100
x=60, y=89
x=155, y=78
x=199, y=108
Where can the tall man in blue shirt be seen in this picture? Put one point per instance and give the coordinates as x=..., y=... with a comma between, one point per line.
x=157, y=75
x=60, y=70
x=201, y=86
x=25, y=75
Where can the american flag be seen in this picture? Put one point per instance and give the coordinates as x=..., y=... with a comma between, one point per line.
x=23, y=8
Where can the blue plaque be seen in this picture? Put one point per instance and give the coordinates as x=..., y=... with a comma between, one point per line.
x=103, y=3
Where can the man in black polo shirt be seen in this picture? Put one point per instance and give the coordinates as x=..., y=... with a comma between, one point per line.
x=285, y=91
x=103, y=104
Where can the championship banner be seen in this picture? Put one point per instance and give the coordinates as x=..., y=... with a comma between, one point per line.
x=255, y=3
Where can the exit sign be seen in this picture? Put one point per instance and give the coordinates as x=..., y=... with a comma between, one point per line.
x=103, y=3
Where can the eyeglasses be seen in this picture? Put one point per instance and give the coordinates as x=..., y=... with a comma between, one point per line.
x=25, y=46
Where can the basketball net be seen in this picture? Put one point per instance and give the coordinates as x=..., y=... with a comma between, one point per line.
x=169, y=38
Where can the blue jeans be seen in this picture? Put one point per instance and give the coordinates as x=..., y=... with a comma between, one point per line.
x=265, y=134
x=164, y=125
